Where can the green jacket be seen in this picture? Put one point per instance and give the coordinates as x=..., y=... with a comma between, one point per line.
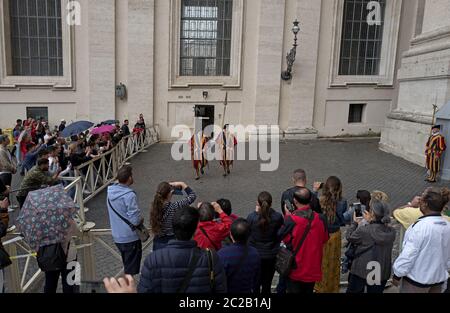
x=34, y=180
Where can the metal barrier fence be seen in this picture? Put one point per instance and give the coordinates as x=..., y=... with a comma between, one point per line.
x=90, y=179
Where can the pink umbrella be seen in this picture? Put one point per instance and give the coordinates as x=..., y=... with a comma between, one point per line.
x=103, y=129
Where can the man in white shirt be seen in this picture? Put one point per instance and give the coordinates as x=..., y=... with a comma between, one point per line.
x=423, y=265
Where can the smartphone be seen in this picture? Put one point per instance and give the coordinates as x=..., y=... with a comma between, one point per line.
x=358, y=210
x=289, y=206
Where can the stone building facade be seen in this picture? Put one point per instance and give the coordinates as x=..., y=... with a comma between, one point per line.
x=179, y=58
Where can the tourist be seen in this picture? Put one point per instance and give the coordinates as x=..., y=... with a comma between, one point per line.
x=424, y=262
x=364, y=197
x=125, y=128
x=241, y=261
x=265, y=223
x=4, y=258
x=163, y=211
x=304, y=233
x=70, y=254
x=35, y=152
x=62, y=126
x=36, y=179
x=226, y=206
x=179, y=268
x=7, y=165
x=123, y=205
x=211, y=232
x=333, y=206
x=371, y=243
x=299, y=180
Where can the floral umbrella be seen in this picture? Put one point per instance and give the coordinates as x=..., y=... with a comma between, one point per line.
x=46, y=217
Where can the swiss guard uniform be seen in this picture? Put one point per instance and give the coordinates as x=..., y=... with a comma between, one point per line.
x=435, y=148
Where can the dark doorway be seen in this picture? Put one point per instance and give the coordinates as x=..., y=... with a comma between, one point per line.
x=204, y=117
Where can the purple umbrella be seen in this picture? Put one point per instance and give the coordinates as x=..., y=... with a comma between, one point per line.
x=46, y=217
x=103, y=129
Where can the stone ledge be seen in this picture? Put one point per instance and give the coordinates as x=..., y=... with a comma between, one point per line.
x=300, y=133
x=410, y=117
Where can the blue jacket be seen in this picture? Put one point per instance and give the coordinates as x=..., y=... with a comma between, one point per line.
x=124, y=201
x=164, y=270
x=244, y=279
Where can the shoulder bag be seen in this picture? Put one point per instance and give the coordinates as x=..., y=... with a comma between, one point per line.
x=140, y=229
x=285, y=260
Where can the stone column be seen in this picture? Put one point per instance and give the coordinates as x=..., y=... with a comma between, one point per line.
x=101, y=21
x=141, y=20
x=269, y=56
x=424, y=80
x=300, y=96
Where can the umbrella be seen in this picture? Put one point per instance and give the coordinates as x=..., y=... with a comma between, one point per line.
x=110, y=122
x=103, y=129
x=45, y=218
x=76, y=128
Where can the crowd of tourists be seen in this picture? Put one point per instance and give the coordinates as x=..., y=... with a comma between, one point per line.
x=43, y=156
x=208, y=249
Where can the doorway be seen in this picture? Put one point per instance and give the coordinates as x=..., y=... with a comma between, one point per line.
x=204, y=117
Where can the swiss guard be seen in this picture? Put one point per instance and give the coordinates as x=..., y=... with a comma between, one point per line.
x=435, y=149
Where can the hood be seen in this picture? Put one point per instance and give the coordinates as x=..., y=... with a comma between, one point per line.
x=117, y=191
x=382, y=234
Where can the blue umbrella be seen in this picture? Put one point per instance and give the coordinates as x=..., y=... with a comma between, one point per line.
x=76, y=128
x=110, y=122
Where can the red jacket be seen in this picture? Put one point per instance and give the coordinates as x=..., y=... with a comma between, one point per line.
x=308, y=267
x=217, y=232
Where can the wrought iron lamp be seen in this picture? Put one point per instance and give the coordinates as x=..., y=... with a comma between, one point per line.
x=290, y=58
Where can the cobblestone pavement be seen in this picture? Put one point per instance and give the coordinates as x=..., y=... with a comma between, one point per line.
x=359, y=164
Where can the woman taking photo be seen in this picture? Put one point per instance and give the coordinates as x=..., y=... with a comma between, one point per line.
x=163, y=211
x=265, y=223
x=372, y=243
x=334, y=206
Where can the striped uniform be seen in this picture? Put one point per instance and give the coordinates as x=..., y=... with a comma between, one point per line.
x=435, y=148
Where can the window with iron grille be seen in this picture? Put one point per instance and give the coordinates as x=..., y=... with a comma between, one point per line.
x=356, y=112
x=36, y=37
x=361, y=43
x=205, y=47
x=37, y=112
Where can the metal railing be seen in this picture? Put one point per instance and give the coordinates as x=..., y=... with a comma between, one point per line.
x=89, y=180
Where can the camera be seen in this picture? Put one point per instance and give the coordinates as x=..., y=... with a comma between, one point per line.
x=290, y=207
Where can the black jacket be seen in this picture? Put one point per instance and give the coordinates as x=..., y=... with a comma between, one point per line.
x=266, y=242
x=164, y=270
x=289, y=195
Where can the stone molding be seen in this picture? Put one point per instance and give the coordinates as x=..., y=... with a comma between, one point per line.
x=410, y=117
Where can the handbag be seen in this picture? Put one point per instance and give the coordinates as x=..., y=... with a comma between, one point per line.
x=285, y=260
x=51, y=258
x=140, y=230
